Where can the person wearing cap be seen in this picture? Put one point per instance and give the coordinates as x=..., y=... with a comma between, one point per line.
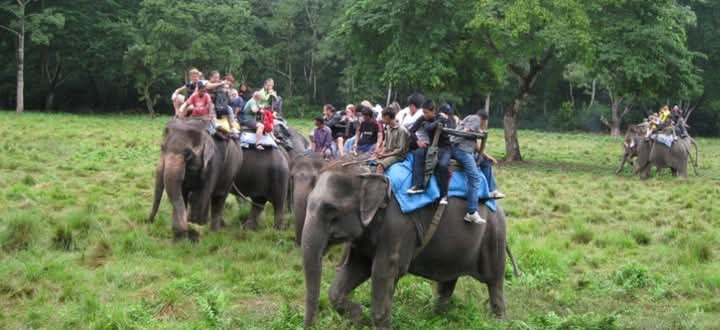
x=248, y=115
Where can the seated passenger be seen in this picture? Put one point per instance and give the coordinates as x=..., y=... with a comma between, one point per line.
x=221, y=99
x=485, y=161
x=178, y=98
x=350, y=121
x=395, y=142
x=322, y=139
x=267, y=94
x=462, y=151
x=333, y=122
x=428, y=124
x=248, y=116
x=369, y=134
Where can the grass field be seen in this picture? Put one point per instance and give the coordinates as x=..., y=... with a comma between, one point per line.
x=597, y=251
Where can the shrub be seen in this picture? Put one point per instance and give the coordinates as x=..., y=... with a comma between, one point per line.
x=19, y=234
x=63, y=238
x=552, y=321
x=632, y=276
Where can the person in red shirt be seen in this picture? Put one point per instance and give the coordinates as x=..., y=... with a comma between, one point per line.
x=199, y=104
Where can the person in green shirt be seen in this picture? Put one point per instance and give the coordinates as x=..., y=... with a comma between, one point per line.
x=395, y=144
x=247, y=118
x=267, y=94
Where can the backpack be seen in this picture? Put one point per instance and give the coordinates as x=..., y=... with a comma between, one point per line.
x=268, y=121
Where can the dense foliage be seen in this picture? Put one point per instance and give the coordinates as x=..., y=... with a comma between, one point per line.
x=568, y=65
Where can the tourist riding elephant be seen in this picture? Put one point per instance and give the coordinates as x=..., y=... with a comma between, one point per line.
x=194, y=169
x=349, y=204
x=303, y=174
x=264, y=177
x=655, y=153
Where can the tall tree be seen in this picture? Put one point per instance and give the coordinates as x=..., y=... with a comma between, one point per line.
x=642, y=54
x=23, y=20
x=169, y=36
x=526, y=35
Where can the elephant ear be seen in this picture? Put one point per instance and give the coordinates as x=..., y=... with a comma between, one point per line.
x=374, y=196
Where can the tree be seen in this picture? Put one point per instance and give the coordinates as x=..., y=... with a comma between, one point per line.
x=525, y=35
x=170, y=36
x=23, y=21
x=642, y=54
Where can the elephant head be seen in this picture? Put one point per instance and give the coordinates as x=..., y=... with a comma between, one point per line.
x=342, y=205
x=183, y=167
x=303, y=175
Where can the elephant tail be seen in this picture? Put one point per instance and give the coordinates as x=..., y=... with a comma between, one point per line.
x=694, y=161
x=159, y=187
x=516, y=268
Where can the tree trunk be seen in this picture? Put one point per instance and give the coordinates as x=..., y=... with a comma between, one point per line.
x=487, y=103
x=148, y=99
x=512, y=145
x=20, y=106
x=389, y=94
x=572, y=95
x=592, y=95
x=616, y=116
x=50, y=99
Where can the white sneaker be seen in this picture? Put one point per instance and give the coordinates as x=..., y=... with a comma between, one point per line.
x=415, y=190
x=497, y=195
x=474, y=218
x=443, y=201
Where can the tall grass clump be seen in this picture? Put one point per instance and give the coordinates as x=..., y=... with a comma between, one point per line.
x=20, y=233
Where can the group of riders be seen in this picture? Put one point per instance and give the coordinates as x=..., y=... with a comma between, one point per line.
x=433, y=135
x=665, y=118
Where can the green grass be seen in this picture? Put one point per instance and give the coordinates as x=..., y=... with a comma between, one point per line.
x=597, y=251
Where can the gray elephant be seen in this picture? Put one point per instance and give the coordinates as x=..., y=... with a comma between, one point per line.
x=264, y=177
x=194, y=169
x=303, y=174
x=349, y=204
x=634, y=135
x=655, y=153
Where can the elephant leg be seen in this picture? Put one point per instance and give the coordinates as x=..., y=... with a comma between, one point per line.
x=497, y=298
x=218, y=206
x=355, y=272
x=384, y=281
x=257, y=207
x=622, y=164
x=445, y=291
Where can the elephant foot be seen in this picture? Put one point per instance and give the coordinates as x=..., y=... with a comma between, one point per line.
x=354, y=313
x=193, y=235
x=441, y=306
x=180, y=235
x=250, y=225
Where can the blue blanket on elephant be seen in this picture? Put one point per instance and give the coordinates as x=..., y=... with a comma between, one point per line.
x=665, y=139
x=400, y=176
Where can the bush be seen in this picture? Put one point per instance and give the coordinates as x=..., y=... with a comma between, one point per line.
x=632, y=276
x=20, y=233
x=552, y=321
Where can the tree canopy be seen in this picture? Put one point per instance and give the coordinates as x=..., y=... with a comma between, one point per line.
x=564, y=64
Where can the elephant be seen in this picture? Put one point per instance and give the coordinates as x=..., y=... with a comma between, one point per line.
x=195, y=169
x=264, y=177
x=633, y=137
x=654, y=153
x=303, y=173
x=353, y=205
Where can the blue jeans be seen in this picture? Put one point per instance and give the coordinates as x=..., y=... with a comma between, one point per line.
x=365, y=148
x=467, y=161
x=442, y=169
x=349, y=144
x=486, y=168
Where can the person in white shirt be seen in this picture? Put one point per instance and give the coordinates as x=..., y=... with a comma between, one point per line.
x=408, y=116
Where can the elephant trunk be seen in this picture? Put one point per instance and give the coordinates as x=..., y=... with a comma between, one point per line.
x=159, y=187
x=299, y=204
x=314, y=241
x=174, y=174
